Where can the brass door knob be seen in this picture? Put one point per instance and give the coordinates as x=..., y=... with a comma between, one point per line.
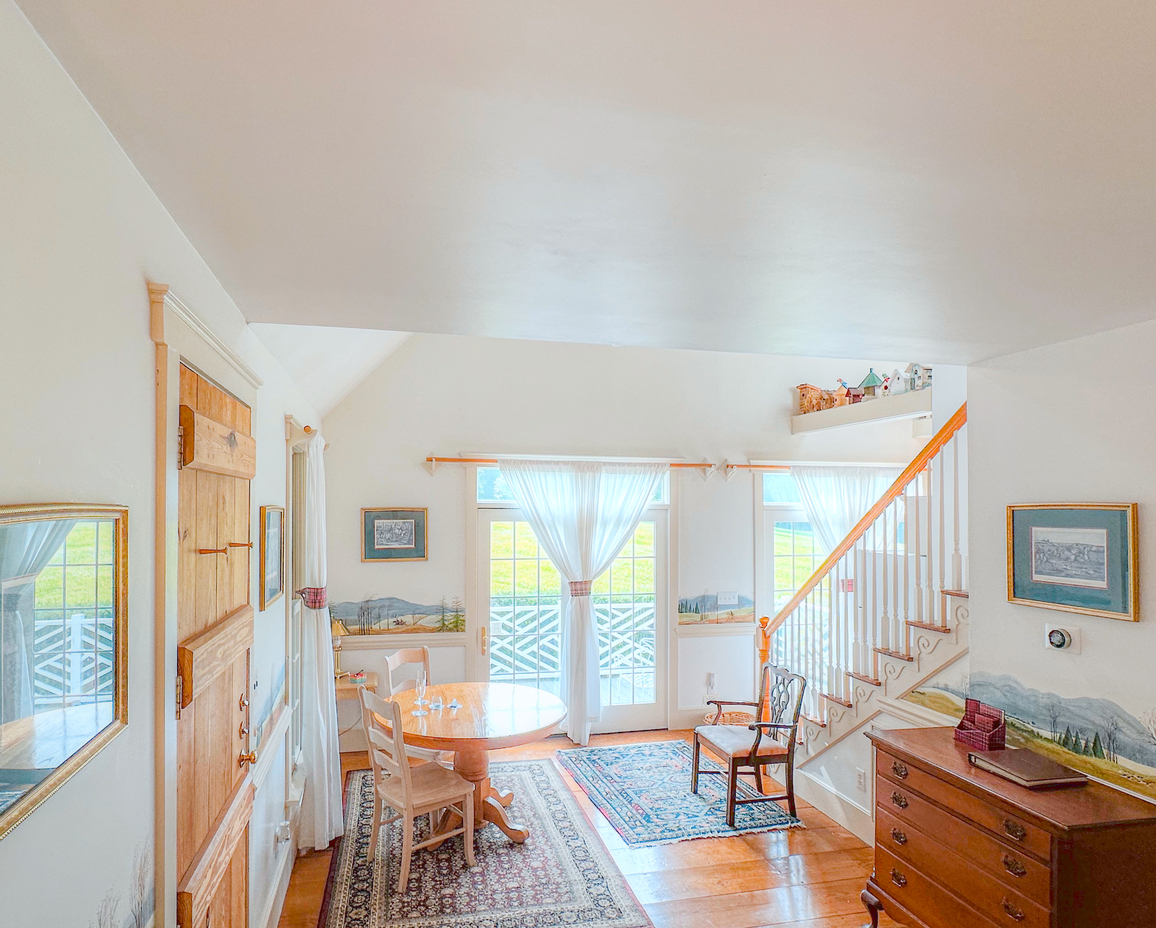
x=250, y=758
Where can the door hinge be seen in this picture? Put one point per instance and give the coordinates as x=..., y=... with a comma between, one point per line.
x=180, y=447
x=180, y=694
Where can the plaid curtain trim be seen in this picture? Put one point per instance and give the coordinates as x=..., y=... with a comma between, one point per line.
x=313, y=597
x=581, y=587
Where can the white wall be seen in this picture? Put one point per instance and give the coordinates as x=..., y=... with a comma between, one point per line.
x=1065, y=423
x=447, y=395
x=81, y=234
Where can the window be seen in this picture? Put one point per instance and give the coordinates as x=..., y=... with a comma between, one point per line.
x=791, y=551
x=492, y=488
x=73, y=650
x=525, y=603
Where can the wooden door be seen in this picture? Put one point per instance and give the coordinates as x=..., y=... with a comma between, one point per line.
x=215, y=634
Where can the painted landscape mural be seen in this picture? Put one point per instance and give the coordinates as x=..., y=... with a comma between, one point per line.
x=1094, y=736
x=705, y=610
x=388, y=615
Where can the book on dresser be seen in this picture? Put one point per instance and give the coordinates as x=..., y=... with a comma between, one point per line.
x=960, y=847
x=1026, y=768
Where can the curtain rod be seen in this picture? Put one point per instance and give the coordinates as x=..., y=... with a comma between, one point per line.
x=434, y=463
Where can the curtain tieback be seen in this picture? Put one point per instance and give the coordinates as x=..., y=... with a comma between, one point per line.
x=313, y=597
x=580, y=587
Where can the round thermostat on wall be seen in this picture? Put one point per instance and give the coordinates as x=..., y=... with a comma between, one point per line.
x=1059, y=639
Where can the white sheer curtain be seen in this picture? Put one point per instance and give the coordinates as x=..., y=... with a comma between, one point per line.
x=25, y=550
x=837, y=497
x=321, y=820
x=583, y=513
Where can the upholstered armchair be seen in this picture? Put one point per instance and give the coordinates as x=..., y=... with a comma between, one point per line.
x=769, y=741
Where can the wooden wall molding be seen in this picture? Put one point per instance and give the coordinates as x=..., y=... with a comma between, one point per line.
x=163, y=298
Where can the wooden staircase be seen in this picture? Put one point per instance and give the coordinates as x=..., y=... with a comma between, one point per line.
x=887, y=609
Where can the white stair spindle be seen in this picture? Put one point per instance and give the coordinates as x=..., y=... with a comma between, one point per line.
x=956, y=556
x=929, y=590
x=916, y=554
x=942, y=458
x=906, y=555
x=884, y=620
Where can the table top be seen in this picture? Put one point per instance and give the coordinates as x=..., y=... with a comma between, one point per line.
x=46, y=740
x=347, y=689
x=492, y=716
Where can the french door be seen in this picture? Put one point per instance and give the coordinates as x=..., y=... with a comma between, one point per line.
x=518, y=630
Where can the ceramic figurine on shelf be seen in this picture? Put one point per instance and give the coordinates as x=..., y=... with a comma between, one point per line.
x=896, y=383
x=843, y=395
x=917, y=376
x=813, y=399
x=870, y=385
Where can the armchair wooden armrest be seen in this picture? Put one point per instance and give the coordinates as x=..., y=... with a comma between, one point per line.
x=719, y=703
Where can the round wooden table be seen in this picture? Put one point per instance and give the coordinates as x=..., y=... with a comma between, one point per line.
x=492, y=716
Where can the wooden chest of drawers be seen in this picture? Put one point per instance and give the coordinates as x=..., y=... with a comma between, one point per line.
x=956, y=847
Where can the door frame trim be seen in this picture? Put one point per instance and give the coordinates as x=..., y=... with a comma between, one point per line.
x=178, y=335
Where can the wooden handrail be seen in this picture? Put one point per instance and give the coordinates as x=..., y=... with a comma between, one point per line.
x=919, y=463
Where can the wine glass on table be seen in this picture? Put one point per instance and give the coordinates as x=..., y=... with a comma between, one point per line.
x=419, y=687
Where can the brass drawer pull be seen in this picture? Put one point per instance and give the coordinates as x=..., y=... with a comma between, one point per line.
x=1013, y=866
x=898, y=837
x=1014, y=830
x=900, y=770
x=899, y=799
x=1012, y=912
x=898, y=878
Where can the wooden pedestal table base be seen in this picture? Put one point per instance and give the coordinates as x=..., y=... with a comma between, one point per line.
x=492, y=716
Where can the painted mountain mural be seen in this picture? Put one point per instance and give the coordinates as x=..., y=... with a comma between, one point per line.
x=1094, y=736
x=705, y=610
x=388, y=615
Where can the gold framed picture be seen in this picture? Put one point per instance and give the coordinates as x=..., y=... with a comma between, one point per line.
x=272, y=555
x=1075, y=557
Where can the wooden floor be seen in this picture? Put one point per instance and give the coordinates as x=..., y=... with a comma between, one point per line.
x=802, y=878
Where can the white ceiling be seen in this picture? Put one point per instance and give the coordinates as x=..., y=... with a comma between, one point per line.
x=325, y=362
x=939, y=180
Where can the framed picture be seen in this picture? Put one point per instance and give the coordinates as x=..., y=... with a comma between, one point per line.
x=272, y=555
x=393, y=534
x=1076, y=557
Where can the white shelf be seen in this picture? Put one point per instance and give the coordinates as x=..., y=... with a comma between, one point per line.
x=904, y=406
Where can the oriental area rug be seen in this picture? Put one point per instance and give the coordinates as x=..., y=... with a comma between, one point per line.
x=562, y=875
x=644, y=792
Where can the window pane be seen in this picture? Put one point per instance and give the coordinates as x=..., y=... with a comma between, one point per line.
x=81, y=544
x=525, y=541
x=79, y=585
x=501, y=578
x=501, y=539
x=105, y=531
x=526, y=577
x=644, y=540
x=784, y=542
x=492, y=486
x=804, y=540
x=779, y=487
x=50, y=588
x=644, y=575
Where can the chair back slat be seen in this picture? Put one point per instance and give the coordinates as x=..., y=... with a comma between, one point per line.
x=387, y=754
x=401, y=658
x=781, y=700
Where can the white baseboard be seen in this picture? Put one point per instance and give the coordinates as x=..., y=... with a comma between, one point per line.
x=272, y=911
x=851, y=816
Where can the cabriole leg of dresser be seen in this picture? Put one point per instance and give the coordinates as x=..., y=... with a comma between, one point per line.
x=874, y=906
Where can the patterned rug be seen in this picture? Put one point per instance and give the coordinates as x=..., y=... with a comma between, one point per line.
x=644, y=791
x=562, y=875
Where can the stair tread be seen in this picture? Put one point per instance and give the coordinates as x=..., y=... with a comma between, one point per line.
x=897, y=655
x=927, y=626
x=865, y=679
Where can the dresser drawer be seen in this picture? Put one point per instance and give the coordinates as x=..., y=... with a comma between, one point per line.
x=1019, y=872
x=897, y=780
x=951, y=871
x=915, y=892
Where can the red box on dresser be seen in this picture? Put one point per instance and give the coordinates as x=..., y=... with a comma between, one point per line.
x=957, y=847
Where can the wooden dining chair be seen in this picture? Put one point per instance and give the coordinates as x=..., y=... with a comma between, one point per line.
x=769, y=741
x=410, y=791
x=407, y=657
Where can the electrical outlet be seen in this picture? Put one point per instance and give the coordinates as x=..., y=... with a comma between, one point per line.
x=861, y=779
x=710, y=682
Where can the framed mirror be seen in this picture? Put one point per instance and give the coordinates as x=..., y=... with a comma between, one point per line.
x=63, y=646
